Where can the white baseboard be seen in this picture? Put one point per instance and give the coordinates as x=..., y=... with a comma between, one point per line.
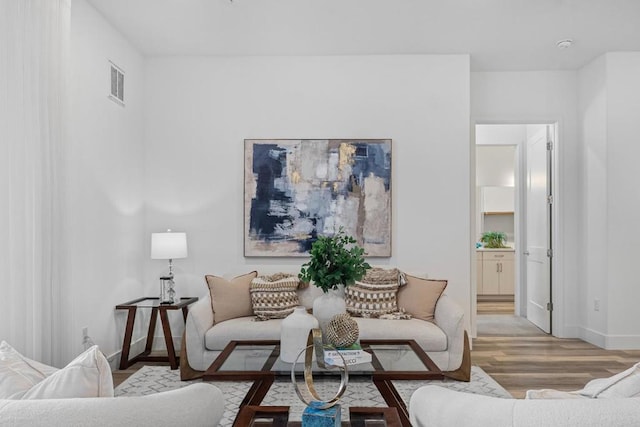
x=570, y=331
x=159, y=344
x=610, y=342
x=138, y=346
x=593, y=337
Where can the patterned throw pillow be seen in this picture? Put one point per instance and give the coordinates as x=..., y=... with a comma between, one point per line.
x=375, y=295
x=274, y=297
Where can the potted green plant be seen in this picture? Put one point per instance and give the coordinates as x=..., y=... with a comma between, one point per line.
x=494, y=239
x=335, y=261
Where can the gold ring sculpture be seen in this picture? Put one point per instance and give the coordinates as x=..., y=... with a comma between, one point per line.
x=314, y=343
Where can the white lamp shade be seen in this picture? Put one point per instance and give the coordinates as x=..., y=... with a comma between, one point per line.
x=168, y=245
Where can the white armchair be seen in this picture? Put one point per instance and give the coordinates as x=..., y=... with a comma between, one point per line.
x=197, y=405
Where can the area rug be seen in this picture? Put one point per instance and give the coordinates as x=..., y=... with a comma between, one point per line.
x=506, y=325
x=360, y=392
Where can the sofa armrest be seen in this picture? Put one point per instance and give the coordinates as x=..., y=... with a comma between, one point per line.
x=449, y=316
x=195, y=405
x=433, y=406
x=199, y=321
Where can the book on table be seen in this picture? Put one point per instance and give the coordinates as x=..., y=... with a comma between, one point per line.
x=352, y=355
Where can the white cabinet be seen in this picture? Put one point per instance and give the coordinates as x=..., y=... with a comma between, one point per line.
x=497, y=274
x=498, y=199
x=479, y=272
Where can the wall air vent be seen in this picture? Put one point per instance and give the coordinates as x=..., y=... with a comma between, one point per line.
x=116, y=93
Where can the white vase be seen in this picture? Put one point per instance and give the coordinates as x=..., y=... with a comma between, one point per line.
x=327, y=306
x=294, y=331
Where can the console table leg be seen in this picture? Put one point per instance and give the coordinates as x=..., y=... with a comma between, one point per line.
x=168, y=338
x=152, y=330
x=128, y=333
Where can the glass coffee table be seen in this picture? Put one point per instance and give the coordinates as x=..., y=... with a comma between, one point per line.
x=259, y=362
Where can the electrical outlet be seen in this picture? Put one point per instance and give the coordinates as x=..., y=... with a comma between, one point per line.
x=596, y=304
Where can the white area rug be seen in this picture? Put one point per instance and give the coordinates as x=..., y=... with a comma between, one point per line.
x=360, y=391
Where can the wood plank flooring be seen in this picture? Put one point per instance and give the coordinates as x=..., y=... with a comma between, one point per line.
x=523, y=363
x=520, y=363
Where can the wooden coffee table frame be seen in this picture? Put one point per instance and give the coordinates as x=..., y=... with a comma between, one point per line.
x=278, y=416
x=264, y=378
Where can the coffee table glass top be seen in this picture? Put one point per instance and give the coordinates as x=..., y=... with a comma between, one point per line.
x=386, y=357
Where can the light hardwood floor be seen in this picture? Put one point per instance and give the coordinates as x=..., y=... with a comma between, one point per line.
x=531, y=362
x=520, y=363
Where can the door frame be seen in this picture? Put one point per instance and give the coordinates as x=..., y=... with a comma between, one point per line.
x=556, y=262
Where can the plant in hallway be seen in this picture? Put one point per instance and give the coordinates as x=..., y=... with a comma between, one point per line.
x=494, y=239
x=335, y=260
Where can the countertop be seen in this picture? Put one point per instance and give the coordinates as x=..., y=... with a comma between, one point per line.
x=508, y=249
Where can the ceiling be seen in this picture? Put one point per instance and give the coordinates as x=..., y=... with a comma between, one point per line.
x=498, y=34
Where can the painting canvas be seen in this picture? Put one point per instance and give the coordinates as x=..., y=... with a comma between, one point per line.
x=297, y=190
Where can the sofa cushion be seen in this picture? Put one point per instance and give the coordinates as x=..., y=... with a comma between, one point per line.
x=88, y=375
x=428, y=335
x=274, y=297
x=420, y=296
x=230, y=298
x=19, y=373
x=624, y=384
x=241, y=328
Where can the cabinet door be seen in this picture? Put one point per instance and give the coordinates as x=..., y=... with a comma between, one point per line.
x=490, y=277
x=479, y=274
x=498, y=199
x=507, y=277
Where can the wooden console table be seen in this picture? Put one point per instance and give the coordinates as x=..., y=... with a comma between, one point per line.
x=156, y=307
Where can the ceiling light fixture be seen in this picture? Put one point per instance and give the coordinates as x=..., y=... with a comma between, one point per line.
x=564, y=44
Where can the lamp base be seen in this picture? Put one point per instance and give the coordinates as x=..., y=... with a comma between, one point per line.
x=167, y=291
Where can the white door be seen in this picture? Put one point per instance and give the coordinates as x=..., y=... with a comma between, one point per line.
x=538, y=219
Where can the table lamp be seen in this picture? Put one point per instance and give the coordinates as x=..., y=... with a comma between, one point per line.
x=169, y=246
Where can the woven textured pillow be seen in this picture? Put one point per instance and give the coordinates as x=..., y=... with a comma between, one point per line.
x=274, y=299
x=374, y=295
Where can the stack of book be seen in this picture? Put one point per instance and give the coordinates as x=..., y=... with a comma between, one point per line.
x=352, y=355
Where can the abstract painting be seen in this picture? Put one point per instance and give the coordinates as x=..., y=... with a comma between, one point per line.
x=298, y=189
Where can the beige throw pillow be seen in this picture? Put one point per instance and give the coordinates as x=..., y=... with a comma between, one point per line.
x=420, y=296
x=88, y=375
x=230, y=298
x=19, y=373
x=274, y=297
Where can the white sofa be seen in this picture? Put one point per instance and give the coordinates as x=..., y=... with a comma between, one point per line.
x=195, y=405
x=442, y=339
x=435, y=406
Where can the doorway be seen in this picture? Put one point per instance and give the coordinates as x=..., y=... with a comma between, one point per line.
x=513, y=202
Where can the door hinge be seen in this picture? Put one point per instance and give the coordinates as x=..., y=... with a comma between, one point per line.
x=550, y=199
x=550, y=253
x=549, y=306
x=549, y=145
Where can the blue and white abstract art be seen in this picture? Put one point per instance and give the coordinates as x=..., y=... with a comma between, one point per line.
x=299, y=189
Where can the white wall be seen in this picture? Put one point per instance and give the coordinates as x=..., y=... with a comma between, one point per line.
x=495, y=165
x=543, y=97
x=609, y=110
x=496, y=134
x=623, y=111
x=105, y=164
x=198, y=111
x=594, y=241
